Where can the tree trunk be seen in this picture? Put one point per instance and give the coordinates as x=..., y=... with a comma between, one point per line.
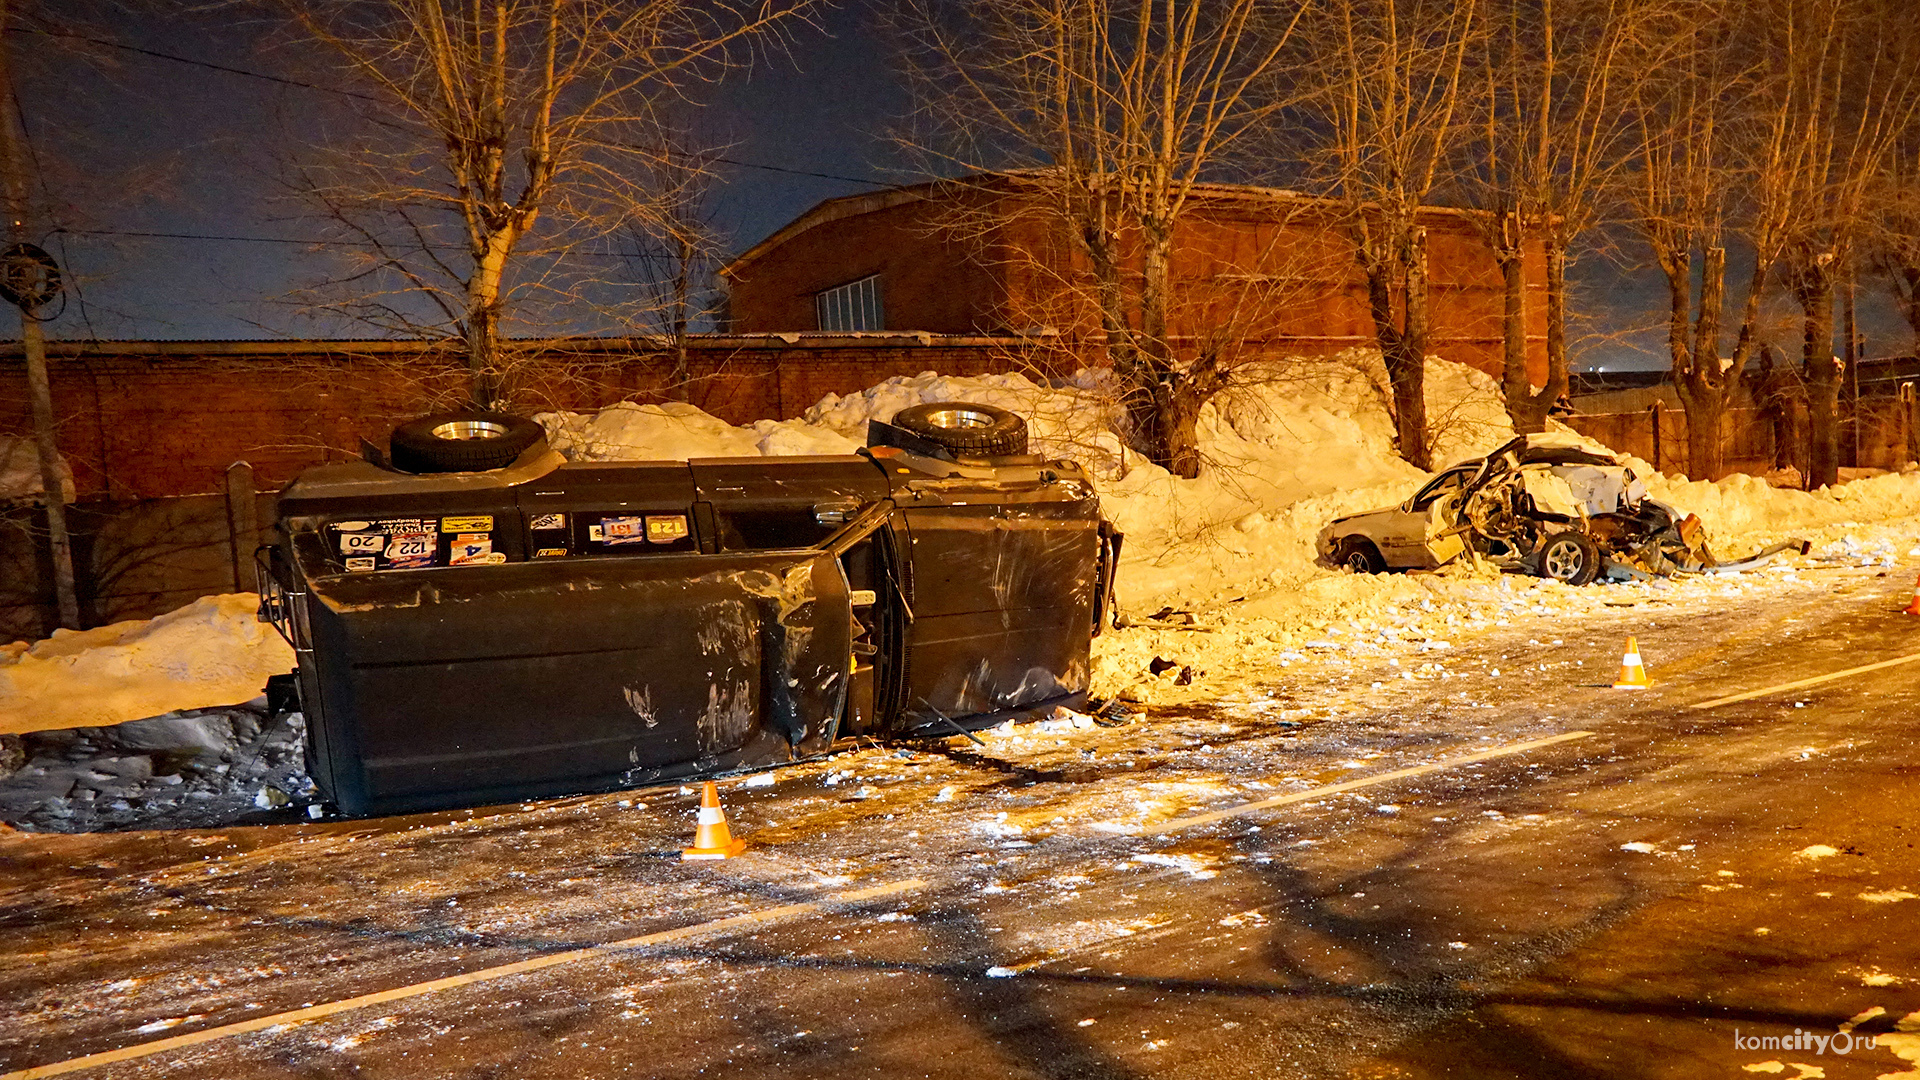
x=1556, y=387
x=1910, y=302
x=1408, y=370
x=1527, y=414
x=1706, y=416
x=1694, y=341
x=1177, y=400
x=486, y=367
x=682, y=299
x=1179, y=413
x=1815, y=293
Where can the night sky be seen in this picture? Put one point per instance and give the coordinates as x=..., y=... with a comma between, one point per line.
x=137, y=144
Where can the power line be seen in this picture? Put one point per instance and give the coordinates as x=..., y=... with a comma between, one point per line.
x=140, y=234
x=105, y=43
x=195, y=63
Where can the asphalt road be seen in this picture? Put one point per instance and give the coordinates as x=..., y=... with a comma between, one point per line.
x=1638, y=901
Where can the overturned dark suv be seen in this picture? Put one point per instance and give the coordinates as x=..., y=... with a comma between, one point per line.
x=478, y=620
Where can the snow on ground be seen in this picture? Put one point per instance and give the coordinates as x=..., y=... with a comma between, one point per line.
x=210, y=652
x=1219, y=585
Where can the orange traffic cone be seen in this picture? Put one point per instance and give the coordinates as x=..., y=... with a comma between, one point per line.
x=711, y=840
x=1914, y=608
x=1633, y=676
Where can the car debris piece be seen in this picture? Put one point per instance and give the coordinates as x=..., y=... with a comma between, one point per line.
x=545, y=627
x=1540, y=504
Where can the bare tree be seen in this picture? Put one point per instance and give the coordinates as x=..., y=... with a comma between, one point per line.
x=1895, y=251
x=1711, y=161
x=1118, y=111
x=1562, y=77
x=1847, y=91
x=1392, y=107
x=502, y=146
x=675, y=254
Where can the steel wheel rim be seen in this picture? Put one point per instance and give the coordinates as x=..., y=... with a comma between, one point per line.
x=1565, y=560
x=469, y=430
x=959, y=418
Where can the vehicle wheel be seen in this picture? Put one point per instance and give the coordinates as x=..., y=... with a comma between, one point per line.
x=1359, y=556
x=1569, y=557
x=966, y=428
x=462, y=442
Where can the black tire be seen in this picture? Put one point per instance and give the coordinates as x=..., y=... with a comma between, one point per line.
x=1570, y=557
x=1359, y=556
x=965, y=428
x=462, y=442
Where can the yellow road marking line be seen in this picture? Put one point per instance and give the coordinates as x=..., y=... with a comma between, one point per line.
x=1795, y=685
x=1324, y=790
x=734, y=922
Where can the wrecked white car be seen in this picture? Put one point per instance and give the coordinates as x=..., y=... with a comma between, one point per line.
x=1540, y=504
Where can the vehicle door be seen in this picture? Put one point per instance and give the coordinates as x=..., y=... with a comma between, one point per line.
x=1414, y=535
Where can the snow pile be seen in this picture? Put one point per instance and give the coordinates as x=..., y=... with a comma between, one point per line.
x=1741, y=506
x=211, y=652
x=676, y=431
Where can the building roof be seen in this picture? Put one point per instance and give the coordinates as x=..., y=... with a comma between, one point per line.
x=847, y=206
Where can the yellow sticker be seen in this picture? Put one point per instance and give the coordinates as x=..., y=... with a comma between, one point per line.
x=549, y=553
x=482, y=523
x=665, y=530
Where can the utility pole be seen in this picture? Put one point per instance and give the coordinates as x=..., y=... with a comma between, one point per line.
x=33, y=341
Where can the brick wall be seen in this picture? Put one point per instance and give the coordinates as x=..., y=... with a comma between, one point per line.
x=145, y=420
x=1272, y=271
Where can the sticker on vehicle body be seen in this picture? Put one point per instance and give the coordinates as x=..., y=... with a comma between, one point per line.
x=352, y=526
x=360, y=564
x=362, y=543
x=545, y=522
x=471, y=551
x=666, y=528
x=621, y=530
x=474, y=523
x=409, y=550
x=549, y=553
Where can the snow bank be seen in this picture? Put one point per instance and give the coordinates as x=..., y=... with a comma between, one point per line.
x=1743, y=506
x=210, y=652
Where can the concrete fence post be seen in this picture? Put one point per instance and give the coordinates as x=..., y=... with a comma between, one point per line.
x=1653, y=419
x=243, y=526
x=1907, y=445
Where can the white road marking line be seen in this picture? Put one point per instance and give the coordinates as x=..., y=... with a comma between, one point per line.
x=591, y=952
x=1798, y=683
x=1324, y=790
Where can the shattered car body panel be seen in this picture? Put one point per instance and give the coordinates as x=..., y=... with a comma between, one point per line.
x=554, y=628
x=1533, y=494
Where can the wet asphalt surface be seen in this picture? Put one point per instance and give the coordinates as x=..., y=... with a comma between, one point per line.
x=1620, y=905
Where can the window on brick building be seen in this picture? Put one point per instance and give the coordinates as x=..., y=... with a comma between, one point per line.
x=850, y=307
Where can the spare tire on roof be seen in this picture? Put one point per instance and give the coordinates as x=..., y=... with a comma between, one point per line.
x=965, y=428
x=463, y=442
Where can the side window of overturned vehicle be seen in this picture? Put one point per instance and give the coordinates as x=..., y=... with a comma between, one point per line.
x=1451, y=482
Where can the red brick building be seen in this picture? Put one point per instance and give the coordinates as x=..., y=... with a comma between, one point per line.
x=987, y=256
